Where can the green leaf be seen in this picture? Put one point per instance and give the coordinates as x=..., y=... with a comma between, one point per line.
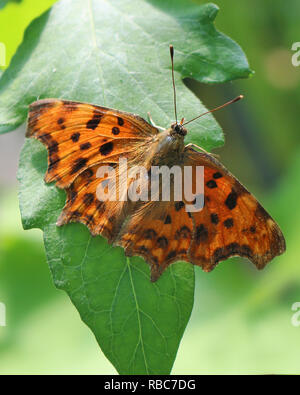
x=21, y=12
x=3, y=3
x=116, y=54
x=138, y=324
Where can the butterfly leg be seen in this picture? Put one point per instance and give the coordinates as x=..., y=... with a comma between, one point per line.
x=153, y=123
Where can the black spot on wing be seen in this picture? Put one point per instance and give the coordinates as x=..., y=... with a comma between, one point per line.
x=162, y=242
x=211, y=184
x=217, y=175
x=144, y=249
x=179, y=205
x=231, y=200
x=115, y=130
x=89, y=219
x=85, y=146
x=88, y=199
x=183, y=233
x=75, y=137
x=72, y=195
x=53, y=148
x=88, y=173
x=201, y=233
x=53, y=162
x=171, y=254
x=94, y=122
x=150, y=234
x=228, y=223
x=106, y=148
x=78, y=165
x=120, y=121
x=214, y=218
x=60, y=121
x=168, y=220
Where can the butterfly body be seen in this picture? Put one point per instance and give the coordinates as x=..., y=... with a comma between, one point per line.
x=168, y=148
x=80, y=137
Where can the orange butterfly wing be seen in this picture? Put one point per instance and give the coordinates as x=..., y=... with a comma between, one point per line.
x=232, y=221
x=160, y=232
x=80, y=135
x=82, y=205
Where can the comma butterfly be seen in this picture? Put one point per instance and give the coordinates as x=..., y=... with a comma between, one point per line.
x=80, y=137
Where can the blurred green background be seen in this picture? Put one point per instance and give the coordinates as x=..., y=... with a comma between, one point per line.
x=241, y=322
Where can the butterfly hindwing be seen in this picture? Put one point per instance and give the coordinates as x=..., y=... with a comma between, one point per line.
x=161, y=233
x=101, y=217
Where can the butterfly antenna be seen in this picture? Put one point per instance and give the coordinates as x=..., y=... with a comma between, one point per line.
x=217, y=108
x=173, y=81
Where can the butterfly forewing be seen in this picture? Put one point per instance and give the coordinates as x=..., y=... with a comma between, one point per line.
x=232, y=221
x=80, y=135
x=160, y=232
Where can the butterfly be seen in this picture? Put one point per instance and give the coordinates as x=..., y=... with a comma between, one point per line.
x=80, y=137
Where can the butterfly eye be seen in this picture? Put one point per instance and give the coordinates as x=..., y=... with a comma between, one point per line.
x=179, y=129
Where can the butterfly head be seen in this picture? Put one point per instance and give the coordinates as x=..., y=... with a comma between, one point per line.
x=178, y=129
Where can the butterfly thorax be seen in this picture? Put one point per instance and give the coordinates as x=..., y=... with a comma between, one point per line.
x=168, y=147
